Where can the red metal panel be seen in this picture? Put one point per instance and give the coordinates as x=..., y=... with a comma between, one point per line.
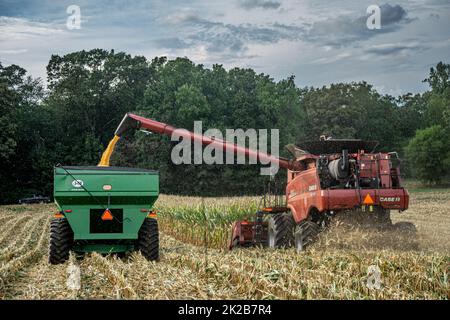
x=367, y=165
x=384, y=170
x=343, y=199
x=303, y=193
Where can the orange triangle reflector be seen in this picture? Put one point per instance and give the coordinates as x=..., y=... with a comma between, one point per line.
x=107, y=215
x=368, y=199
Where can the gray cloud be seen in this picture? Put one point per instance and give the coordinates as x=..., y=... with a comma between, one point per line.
x=397, y=57
x=343, y=30
x=219, y=37
x=434, y=16
x=391, y=49
x=392, y=14
x=172, y=43
x=438, y=2
x=264, y=4
x=339, y=31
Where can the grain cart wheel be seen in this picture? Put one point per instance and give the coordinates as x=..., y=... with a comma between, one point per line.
x=281, y=230
x=61, y=241
x=305, y=234
x=148, y=239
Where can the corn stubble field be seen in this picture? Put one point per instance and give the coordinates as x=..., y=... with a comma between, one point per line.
x=195, y=265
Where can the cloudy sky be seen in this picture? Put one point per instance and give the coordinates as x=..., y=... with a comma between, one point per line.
x=318, y=41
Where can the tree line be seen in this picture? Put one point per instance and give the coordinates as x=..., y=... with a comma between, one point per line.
x=71, y=120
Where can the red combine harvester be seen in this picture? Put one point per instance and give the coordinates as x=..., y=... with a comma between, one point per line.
x=324, y=177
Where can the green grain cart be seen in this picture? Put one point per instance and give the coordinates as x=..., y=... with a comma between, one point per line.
x=104, y=209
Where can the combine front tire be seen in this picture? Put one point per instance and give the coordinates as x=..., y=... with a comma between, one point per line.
x=383, y=217
x=148, y=239
x=305, y=234
x=61, y=241
x=281, y=230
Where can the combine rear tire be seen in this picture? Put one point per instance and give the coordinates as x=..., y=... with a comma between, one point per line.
x=281, y=230
x=148, y=239
x=61, y=241
x=305, y=234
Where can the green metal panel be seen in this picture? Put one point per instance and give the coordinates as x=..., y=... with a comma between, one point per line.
x=80, y=189
x=127, y=185
x=79, y=220
x=103, y=248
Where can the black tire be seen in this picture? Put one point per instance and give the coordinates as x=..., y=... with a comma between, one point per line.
x=281, y=231
x=383, y=217
x=148, y=239
x=306, y=233
x=61, y=241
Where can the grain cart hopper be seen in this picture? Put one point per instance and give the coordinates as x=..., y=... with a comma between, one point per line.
x=104, y=209
x=324, y=178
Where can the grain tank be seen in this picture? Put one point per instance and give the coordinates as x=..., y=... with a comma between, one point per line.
x=104, y=209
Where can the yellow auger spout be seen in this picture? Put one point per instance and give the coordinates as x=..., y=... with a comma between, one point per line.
x=104, y=161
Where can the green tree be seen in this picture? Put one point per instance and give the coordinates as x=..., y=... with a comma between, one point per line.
x=439, y=77
x=354, y=110
x=438, y=99
x=191, y=105
x=90, y=91
x=239, y=98
x=10, y=80
x=429, y=152
x=20, y=134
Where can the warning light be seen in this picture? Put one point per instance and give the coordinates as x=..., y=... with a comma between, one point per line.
x=152, y=214
x=107, y=215
x=368, y=199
